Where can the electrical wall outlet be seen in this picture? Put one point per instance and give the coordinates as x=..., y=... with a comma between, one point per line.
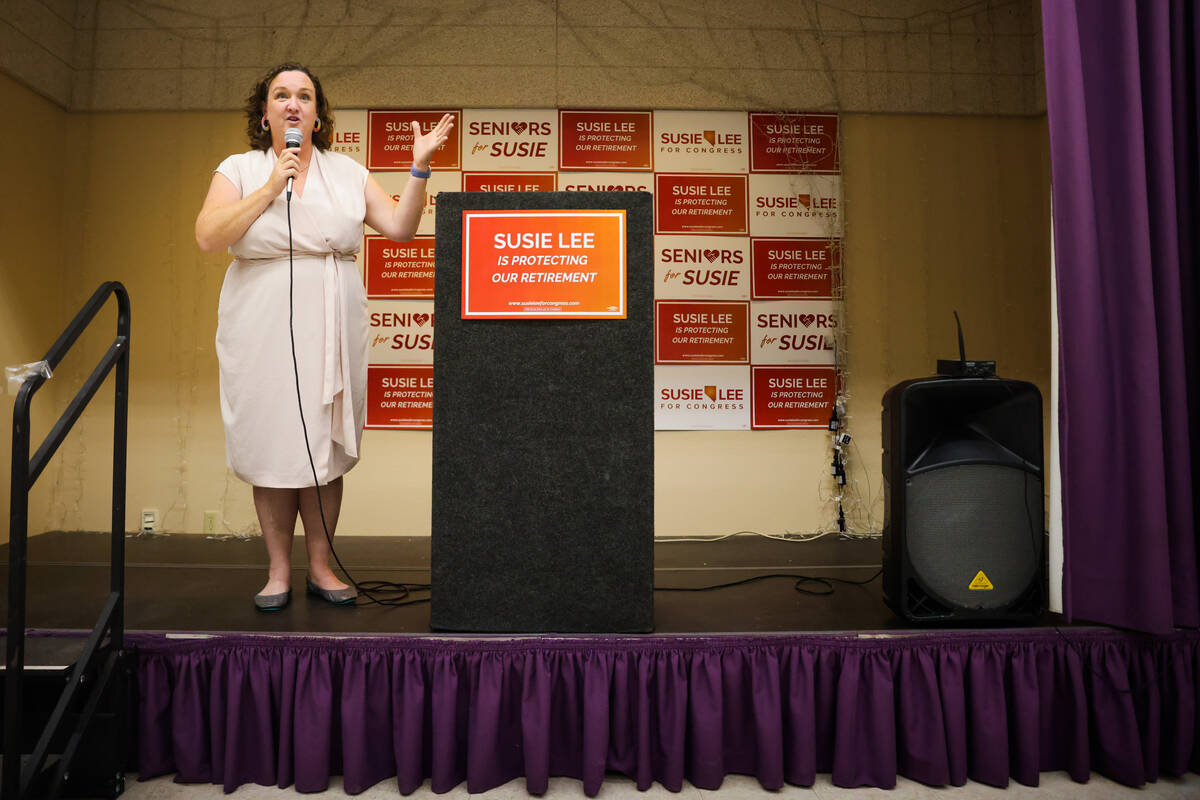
x=210, y=521
x=149, y=520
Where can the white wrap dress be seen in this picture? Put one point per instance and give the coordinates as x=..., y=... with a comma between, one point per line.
x=264, y=440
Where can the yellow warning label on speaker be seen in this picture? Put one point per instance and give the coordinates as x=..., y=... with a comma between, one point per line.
x=981, y=583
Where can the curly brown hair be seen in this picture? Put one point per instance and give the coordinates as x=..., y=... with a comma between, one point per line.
x=256, y=103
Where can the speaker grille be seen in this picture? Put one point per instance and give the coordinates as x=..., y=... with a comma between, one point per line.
x=966, y=519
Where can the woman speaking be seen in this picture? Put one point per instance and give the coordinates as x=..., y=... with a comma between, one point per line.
x=322, y=304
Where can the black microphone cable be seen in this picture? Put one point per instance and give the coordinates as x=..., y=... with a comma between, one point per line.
x=365, y=588
x=804, y=584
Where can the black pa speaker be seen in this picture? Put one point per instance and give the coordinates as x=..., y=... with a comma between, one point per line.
x=963, y=519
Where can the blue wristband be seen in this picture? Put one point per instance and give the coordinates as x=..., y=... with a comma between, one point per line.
x=416, y=173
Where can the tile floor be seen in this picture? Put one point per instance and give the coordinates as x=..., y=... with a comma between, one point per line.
x=736, y=787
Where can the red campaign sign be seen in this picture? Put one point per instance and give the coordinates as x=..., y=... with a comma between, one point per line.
x=792, y=397
x=614, y=141
x=399, y=269
x=701, y=332
x=692, y=203
x=806, y=143
x=400, y=397
x=509, y=181
x=793, y=268
x=390, y=139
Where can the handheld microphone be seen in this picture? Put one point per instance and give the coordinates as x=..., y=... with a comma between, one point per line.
x=292, y=137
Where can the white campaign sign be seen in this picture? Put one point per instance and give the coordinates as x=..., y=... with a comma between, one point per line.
x=701, y=141
x=702, y=398
x=350, y=134
x=606, y=182
x=792, y=331
x=400, y=332
x=701, y=268
x=512, y=140
x=393, y=184
x=808, y=206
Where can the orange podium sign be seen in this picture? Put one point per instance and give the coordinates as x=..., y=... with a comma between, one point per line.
x=544, y=264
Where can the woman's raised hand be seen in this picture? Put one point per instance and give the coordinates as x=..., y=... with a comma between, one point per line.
x=425, y=146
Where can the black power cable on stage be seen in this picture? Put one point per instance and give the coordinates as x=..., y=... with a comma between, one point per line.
x=402, y=590
x=801, y=582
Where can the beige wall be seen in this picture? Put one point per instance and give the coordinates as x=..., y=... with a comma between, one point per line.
x=945, y=173
x=31, y=266
x=943, y=213
x=880, y=56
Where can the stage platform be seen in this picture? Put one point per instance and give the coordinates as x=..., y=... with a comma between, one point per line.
x=195, y=583
x=756, y=679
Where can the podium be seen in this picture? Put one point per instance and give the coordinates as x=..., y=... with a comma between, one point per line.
x=543, y=438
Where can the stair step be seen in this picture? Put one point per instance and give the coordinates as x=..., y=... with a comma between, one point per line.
x=47, y=653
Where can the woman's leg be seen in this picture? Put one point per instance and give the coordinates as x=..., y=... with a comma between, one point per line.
x=314, y=536
x=277, y=517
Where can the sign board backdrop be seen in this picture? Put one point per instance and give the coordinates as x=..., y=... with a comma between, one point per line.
x=748, y=225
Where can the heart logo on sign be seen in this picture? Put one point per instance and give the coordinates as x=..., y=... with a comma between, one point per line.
x=519, y=127
x=807, y=319
x=711, y=255
x=421, y=319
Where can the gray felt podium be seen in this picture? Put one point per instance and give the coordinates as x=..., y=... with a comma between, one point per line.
x=543, y=447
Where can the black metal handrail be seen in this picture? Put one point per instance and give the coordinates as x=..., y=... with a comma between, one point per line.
x=25, y=472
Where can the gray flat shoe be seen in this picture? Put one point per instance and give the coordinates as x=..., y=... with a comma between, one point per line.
x=272, y=602
x=339, y=597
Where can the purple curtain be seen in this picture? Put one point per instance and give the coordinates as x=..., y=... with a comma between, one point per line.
x=1121, y=95
x=937, y=708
